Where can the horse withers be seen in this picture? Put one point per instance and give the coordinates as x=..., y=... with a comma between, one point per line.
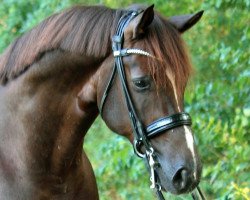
x=129, y=64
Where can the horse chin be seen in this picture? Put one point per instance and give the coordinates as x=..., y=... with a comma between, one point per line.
x=172, y=190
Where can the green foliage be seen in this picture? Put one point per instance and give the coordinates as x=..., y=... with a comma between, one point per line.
x=218, y=97
x=220, y=102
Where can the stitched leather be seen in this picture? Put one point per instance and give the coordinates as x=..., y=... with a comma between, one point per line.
x=167, y=123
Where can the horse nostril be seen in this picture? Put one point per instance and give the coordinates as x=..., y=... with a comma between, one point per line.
x=180, y=179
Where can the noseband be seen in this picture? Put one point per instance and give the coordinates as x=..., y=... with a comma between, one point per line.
x=142, y=134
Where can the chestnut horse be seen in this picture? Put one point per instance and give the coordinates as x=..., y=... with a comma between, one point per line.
x=53, y=79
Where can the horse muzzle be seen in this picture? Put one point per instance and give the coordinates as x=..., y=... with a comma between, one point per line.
x=182, y=180
x=178, y=176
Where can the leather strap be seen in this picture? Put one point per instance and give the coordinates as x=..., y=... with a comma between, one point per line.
x=107, y=89
x=167, y=123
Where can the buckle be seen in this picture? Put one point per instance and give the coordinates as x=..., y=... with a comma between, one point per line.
x=137, y=148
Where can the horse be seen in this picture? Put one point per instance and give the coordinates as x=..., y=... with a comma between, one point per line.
x=59, y=76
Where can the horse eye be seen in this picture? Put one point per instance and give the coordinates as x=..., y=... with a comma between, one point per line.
x=142, y=83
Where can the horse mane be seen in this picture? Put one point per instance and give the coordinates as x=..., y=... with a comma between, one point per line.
x=87, y=30
x=80, y=29
x=165, y=43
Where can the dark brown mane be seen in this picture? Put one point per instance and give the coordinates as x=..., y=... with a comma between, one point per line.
x=83, y=30
x=87, y=31
x=164, y=42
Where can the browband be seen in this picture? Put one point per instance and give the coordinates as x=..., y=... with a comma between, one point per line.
x=127, y=52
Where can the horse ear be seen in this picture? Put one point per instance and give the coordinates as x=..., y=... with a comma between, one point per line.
x=143, y=21
x=184, y=22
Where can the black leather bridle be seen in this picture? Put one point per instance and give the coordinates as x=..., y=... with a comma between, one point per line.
x=141, y=134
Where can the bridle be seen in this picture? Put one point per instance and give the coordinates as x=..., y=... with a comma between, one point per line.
x=141, y=134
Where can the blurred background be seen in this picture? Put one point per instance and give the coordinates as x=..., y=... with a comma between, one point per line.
x=218, y=97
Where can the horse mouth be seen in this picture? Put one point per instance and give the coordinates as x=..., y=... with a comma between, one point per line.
x=181, y=183
x=181, y=191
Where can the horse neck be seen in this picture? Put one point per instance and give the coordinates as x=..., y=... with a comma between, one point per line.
x=56, y=109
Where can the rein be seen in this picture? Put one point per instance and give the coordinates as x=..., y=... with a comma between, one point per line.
x=142, y=134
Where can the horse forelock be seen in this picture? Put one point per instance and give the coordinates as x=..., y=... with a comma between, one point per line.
x=84, y=30
x=171, y=64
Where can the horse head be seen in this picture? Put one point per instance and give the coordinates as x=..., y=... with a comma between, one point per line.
x=156, y=68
